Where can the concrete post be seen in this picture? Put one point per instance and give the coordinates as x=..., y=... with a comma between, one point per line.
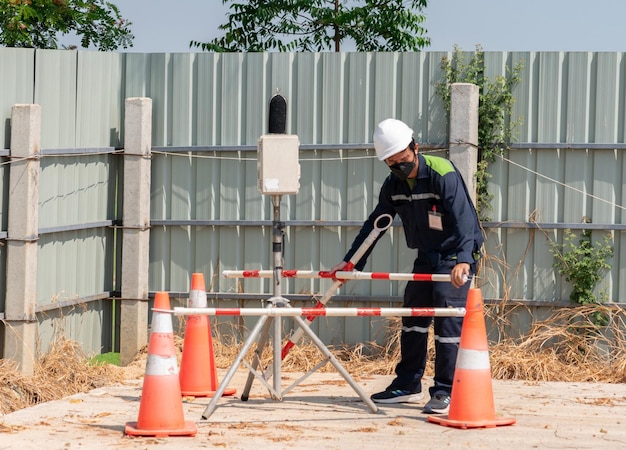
x=21, y=285
x=464, y=132
x=136, y=229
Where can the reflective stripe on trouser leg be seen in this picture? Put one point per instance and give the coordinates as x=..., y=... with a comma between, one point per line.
x=447, y=334
x=413, y=351
x=446, y=349
x=414, y=334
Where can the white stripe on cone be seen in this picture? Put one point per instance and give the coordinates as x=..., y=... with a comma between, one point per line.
x=161, y=365
x=197, y=299
x=161, y=323
x=472, y=359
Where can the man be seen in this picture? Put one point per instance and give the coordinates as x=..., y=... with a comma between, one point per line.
x=440, y=221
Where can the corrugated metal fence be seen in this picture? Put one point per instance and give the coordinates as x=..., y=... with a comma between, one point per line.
x=207, y=214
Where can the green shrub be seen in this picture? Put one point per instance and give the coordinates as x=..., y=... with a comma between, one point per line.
x=583, y=264
x=495, y=105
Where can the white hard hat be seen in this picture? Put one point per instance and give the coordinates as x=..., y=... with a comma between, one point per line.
x=391, y=136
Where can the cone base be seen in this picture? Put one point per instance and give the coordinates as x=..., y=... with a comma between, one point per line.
x=207, y=393
x=465, y=424
x=189, y=429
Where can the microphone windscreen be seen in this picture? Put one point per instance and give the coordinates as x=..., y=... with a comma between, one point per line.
x=278, y=115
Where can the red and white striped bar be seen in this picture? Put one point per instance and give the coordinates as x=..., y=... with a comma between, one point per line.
x=338, y=275
x=392, y=276
x=328, y=312
x=270, y=274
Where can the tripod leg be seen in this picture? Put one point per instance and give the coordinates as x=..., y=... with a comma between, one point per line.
x=258, y=353
x=368, y=401
x=277, y=361
x=231, y=372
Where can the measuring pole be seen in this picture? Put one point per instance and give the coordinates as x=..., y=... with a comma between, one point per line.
x=363, y=248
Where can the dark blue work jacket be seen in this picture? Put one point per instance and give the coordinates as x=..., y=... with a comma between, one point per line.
x=438, y=189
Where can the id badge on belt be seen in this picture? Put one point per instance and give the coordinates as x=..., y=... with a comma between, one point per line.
x=434, y=220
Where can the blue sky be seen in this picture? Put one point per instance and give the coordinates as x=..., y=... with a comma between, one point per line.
x=496, y=25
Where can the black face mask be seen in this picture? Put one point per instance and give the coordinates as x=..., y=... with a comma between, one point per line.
x=403, y=169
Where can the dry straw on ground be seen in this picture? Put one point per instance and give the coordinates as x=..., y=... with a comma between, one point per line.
x=62, y=371
x=568, y=346
x=565, y=347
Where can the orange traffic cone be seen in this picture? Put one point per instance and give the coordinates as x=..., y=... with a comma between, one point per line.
x=161, y=407
x=198, y=374
x=471, y=401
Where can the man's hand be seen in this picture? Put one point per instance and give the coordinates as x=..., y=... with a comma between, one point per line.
x=460, y=274
x=339, y=267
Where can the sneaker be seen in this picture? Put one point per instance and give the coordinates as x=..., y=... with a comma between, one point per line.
x=438, y=404
x=397, y=396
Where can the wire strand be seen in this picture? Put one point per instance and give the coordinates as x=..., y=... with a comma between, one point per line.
x=340, y=158
x=580, y=191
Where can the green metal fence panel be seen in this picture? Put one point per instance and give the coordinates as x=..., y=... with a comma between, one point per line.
x=56, y=79
x=99, y=99
x=17, y=86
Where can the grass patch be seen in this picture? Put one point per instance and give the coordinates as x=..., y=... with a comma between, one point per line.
x=106, y=358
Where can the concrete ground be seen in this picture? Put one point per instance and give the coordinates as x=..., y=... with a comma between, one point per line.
x=324, y=412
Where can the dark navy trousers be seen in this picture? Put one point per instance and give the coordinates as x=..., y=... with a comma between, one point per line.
x=414, y=334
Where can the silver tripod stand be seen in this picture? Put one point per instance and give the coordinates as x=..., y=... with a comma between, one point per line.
x=260, y=335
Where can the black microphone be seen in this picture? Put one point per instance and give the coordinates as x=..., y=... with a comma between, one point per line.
x=278, y=115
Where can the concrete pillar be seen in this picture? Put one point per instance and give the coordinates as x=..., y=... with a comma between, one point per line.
x=136, y=228
x=464, y=132
x=21, y=285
